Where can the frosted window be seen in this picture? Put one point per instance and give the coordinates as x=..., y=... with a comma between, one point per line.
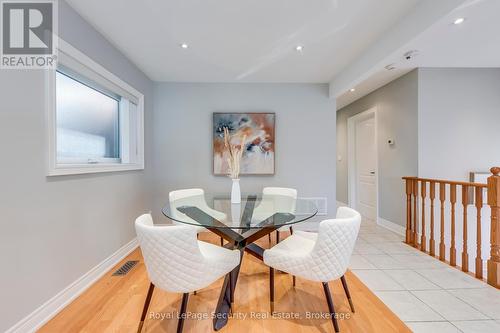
x=87, y=122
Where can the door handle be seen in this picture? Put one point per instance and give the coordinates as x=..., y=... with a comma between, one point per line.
x=372, y=172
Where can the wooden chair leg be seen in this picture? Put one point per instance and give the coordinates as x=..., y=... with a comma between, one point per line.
x=231, y=289
x=182, y=312
x=330, y=306
x=346, y=289
x=277, y=236
x=294, y=280
x=221, y=241
x=269, y=236
x=146, y=306
x=271, y=288
x=291, y=231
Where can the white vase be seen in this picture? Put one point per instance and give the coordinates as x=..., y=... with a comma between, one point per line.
x=236, y=192
x=236, y=213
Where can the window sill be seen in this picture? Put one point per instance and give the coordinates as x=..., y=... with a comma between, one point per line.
x=78, y=169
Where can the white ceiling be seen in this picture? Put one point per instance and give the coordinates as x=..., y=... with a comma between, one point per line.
x=474, y=43
x=242, y=40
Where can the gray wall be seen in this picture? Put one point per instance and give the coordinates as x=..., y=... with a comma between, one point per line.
x=459, y=113
x=54, y=230
x=397, y=108
x=305, y=137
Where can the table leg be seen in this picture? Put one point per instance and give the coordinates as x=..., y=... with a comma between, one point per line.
x=255, y=251
x=243, y=241
x=221, y=314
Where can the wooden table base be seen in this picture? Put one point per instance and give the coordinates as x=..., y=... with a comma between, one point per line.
x=243, y=241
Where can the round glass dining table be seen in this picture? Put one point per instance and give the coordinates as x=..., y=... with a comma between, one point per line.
x=241, y=225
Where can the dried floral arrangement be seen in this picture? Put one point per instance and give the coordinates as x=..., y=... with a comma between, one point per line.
x=235, y=153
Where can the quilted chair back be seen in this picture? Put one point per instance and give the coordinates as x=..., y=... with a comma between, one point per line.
x=181, y=194
x=171, y=254
x=189, y=197
x=283, y=199
x=333, y=249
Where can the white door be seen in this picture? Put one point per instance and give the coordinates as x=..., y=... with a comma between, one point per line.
x=365, y=155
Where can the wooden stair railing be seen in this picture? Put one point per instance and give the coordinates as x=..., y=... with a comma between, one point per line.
x=494, y=203
x=471, y=193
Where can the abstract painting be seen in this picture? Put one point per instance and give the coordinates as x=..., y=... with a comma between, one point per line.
x=257, y=129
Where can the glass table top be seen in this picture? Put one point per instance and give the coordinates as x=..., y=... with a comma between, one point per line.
x=254, y=212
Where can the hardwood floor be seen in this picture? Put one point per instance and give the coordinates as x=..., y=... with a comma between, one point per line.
x=114, y=304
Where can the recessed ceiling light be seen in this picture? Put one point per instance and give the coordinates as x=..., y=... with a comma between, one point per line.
x=299, y=48
x=459, y=20
x=352, y=89
x=184, y=46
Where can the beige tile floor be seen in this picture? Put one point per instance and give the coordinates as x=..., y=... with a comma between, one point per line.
x=428, y=295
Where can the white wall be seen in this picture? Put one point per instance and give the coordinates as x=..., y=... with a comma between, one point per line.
x=397, y=108
x=55, y=229
x=305, y=137
x=459, y=114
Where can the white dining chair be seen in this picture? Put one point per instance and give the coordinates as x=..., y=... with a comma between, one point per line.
x=285, y=204
x=322, y=256
x=177, y=262
x=192, y=197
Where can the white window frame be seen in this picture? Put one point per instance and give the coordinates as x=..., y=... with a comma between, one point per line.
x=131, y=151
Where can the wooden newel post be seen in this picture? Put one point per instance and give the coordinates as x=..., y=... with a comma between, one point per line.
x=494, y=203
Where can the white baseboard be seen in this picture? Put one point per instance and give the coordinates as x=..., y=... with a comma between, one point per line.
x=53, y=306
x=394, y=227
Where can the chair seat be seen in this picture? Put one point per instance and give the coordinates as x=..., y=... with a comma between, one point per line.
x=294, y=245
x=211, y=251
x=289, y=255
x=198, y=229
x=219, y=259
x=305, y=234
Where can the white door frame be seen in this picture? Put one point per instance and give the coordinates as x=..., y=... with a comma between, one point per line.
x=351, y=156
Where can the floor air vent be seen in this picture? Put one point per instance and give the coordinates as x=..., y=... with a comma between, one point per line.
x=125, y=268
